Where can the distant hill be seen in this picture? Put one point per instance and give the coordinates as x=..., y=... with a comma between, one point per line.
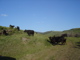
x=75, y=30
x=71, y=31
x=51, y=33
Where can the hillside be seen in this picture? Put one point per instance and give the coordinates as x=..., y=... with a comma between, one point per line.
x=51, y=33
x=71, y=32
x=74, y=30
x=20, y=46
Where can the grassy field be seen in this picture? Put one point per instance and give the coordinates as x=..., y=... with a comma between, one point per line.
x=24, y=47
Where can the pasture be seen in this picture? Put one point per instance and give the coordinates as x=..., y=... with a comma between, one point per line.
x=23, y=47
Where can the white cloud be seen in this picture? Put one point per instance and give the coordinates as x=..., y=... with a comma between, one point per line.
x=3, y=15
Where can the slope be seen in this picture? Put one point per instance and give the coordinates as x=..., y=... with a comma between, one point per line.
x=23, y=47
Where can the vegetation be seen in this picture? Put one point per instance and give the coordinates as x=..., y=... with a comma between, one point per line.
x=23, y=47
x=51, y=33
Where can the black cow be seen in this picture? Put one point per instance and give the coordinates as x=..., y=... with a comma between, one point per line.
x=18, y=28
x=29, y=32
x=11, y=26
x=52, y=40
x=63, y=41
x=57, y=40
x=5, y=32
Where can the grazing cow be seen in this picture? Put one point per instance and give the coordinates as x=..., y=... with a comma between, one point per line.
x=18, y=28
x=29, y=32
x=52, y=40
x=11, y=26
x=57, y=40
x=63, y=41
x=5, y=32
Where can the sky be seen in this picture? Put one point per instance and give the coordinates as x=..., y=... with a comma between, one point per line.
x=40, y=15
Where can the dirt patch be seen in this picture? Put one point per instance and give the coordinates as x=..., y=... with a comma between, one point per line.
x=25, y=40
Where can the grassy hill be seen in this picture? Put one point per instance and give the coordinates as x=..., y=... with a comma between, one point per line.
x=58, y=33
x=75, y=30
x=23, y=47
x=51, y=33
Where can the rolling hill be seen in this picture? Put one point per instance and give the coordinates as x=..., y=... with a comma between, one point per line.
x=74, y=30
x=71, y=32
x=20, y=46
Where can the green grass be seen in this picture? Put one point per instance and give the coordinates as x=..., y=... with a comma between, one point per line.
x=16, y=47
x=23, y=47
x=51, y=33
x=38, y=48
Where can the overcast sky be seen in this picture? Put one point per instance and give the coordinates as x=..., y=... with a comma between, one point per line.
x=40, y=15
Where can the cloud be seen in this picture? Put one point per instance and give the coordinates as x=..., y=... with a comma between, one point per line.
x=3, y=15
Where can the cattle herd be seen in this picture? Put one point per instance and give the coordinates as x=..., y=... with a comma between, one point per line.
x=52, y=39
x=12, y=26
x=6, y=32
